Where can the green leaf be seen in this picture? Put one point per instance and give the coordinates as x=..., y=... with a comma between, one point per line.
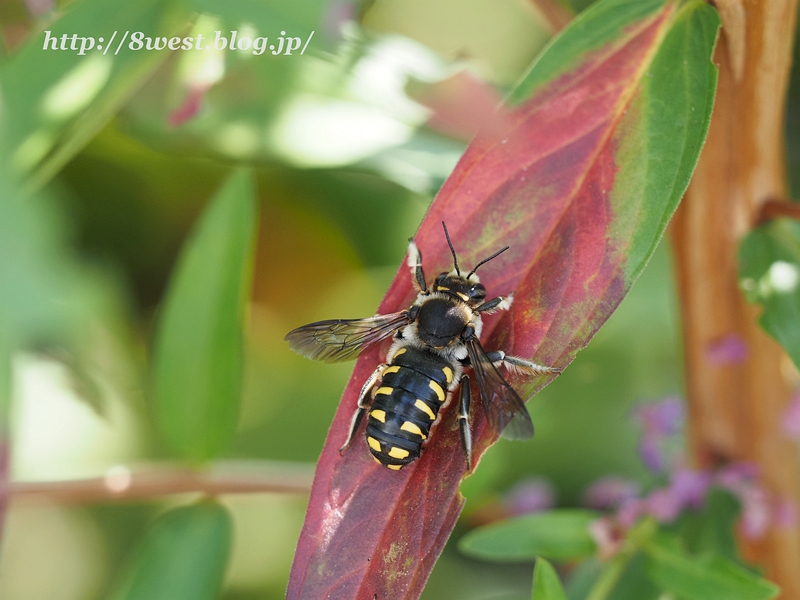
x=37, y=292
x=678, y=95
x=60, y=98
x=183, y=556
x=583, y=578
x=634, y=582
x=198, y=346
x=769, y=272
x=711, y=530
x=546, y=584
x=705, y=577
x=557, y=534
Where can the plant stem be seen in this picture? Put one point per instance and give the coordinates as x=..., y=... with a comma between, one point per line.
x=636, y=539
x=123, y=484
x=775, y=209
x=609, y=577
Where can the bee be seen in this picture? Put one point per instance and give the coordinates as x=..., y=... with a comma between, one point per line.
x=436, y=341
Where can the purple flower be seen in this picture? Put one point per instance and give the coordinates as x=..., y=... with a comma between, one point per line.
x=651, y=454
x=658, y=421
x=661, y=418
x=610, y=492
x=663, y=504
x=630, y=511
x=784, y=514
x=730, y=349
x=687, y=489
x=530, y=495
x=791, y=417
x=760, y=509
x=756, y=512
x=736, y=475
x=690, y=487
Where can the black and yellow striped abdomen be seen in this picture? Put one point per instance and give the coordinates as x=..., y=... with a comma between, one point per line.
x=412, y=390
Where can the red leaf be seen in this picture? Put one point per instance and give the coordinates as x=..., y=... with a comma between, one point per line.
x=541, y=179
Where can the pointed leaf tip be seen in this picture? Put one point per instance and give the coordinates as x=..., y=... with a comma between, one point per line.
x=546, y=584
x=198, y=342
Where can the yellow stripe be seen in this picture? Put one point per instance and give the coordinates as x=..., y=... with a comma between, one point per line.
x=394, y=467
x=400, y=351
x=436, y=388
x=374, y=444
x=464, y=297
x=441, y=288
x=393, y=369
x=412, y=428
x=425, y=408
x=448, y=373
x=384, y=390
x=398, y=453
x=378, y=415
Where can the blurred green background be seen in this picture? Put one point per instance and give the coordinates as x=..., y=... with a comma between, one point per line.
x=108, y=162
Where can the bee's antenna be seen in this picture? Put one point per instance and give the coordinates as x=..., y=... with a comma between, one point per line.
x=453, y=250
x=485, y=260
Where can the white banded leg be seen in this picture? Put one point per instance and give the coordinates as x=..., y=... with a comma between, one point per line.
x=363, y=405
x=463, y=421
x=519, y=365
x=415, y=262
x=499, y=303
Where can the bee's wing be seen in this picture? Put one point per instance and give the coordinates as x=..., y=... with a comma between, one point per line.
x=343, y=339
x=504, y=408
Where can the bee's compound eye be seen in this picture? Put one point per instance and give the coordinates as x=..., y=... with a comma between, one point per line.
x=477, y=291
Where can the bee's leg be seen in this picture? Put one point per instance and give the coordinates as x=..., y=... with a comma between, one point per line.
x=499, y=303
x=463, y=421
x=363, y=405
x=415, y=262
x=519, y=365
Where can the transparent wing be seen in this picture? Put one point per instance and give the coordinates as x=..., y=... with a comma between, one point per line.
x=343, y=339
x=504, y=408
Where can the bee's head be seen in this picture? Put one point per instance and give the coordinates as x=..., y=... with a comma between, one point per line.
x=467, y=287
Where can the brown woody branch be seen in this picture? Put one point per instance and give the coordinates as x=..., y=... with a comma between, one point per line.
x=776, y=209
x=735, y=409
x=121, y=484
